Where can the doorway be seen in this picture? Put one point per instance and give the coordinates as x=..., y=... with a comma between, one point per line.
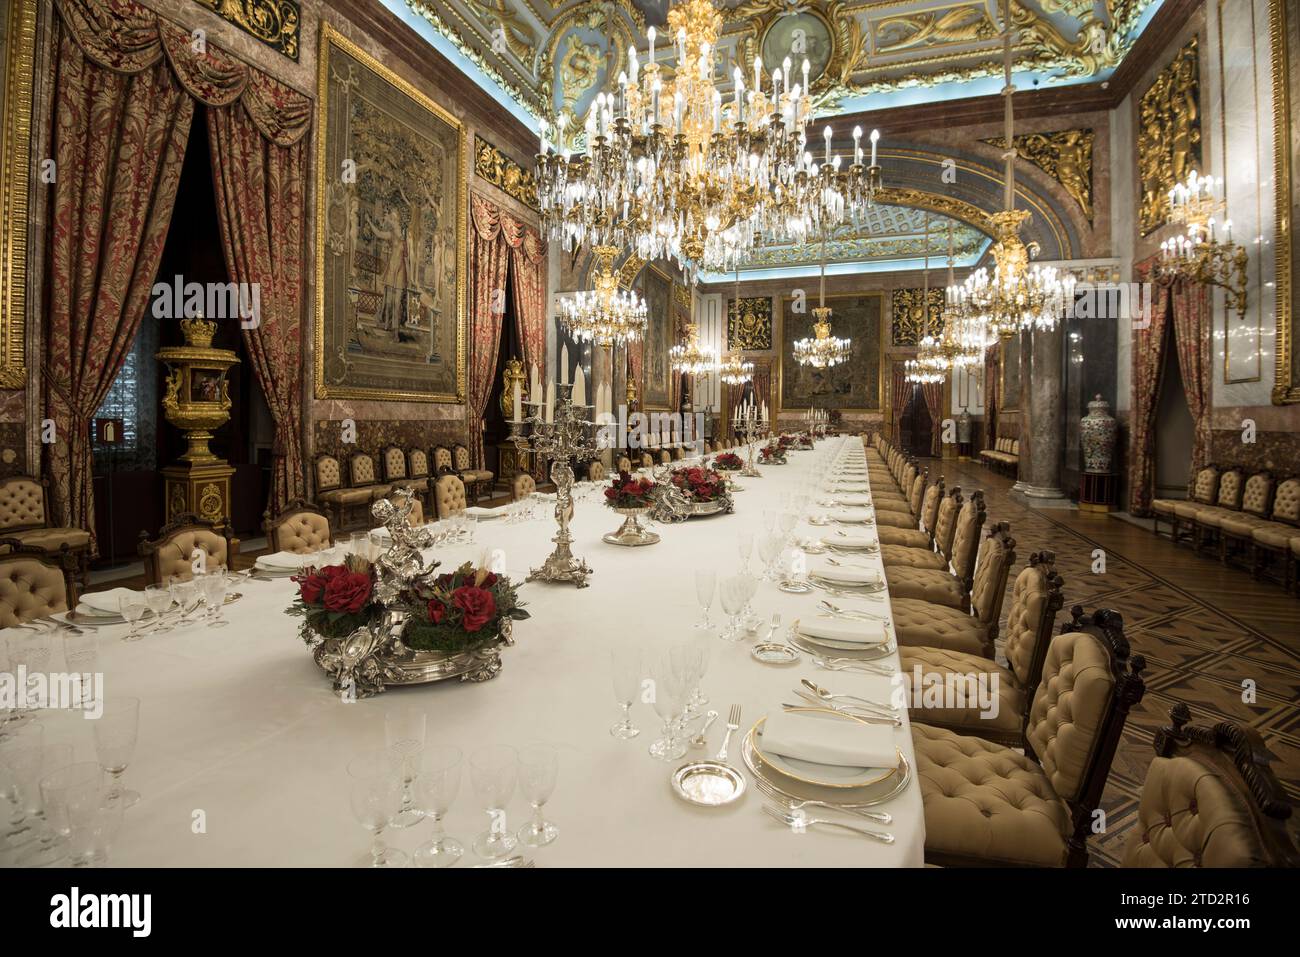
x=1175, y=430
x=915, y=428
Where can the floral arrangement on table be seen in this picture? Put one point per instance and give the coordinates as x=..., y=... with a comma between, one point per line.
x=772, y=454
x=799, y=440
x=728, y=462
x=336, y=600
x=699, y=484
x=787, y=441
x=626, y=491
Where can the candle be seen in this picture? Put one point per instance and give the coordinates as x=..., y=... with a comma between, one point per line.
x=632, y=63
x=564, y=366
x=738, y=79
x=857, y=145
x=579, y=388
x=518, y=401
x=828, y=144
x=758, y=73
x=681, y=48
x=534, y=385
x=776, y=87
x=651, y=34
x=550, y=400
x=805, y=73
x=875, y=137
x=705, y=62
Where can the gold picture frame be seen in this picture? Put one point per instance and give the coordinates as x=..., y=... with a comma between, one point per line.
x=1284, y=33
x=657, y=396
x=15, y=188
x=331, y=383
x=783, y=343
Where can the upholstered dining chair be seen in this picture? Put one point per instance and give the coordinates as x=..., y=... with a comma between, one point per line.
x=647, y=460
x=624, y=464
x=1206, y=518
x=420, y=467
x=665, y=456
x=171, y=554
x=444, y=462
x=922, y=537
x=299, y=527
x=363, y=473
x=449, y=495
x=523, y=486
x=397, y=475
x=1035, y=600
x=989, y=804
x=897, y=498
x=1273, y=539
x=900, y=507
x=32, y=584
x=1204, y=490
x=476, y=480
x=25, y=516
x=918, y=622
x=333, y=496
x=596, y=471
x=1236, y=531
x=1210, y=799
x=939, y=585
x=417, y=508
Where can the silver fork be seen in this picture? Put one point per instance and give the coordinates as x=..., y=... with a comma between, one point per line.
x=851, y=614
x=733, y=725
x=801, y=821
x=841, y=664
x=880, y=817
x=853, y=710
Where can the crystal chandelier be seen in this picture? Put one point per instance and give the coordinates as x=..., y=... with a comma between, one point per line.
x=961, y=342
x=1017, y=295
x=605, y=315
x=823, y=350
x=1205, y=253
x=734, y=370
x=917, y=373
x=692, y=358
x=671, y=171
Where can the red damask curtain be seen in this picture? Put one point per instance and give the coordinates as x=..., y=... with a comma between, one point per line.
x=900, y=392
x=489, y=260
x=528, y=275
x=124, y=89
x=121, y=121
x=1148, y=358
x=932, y=392
x=1192, y=330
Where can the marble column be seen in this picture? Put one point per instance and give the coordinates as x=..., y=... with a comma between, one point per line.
x=1025, y=357
x=1040, y=482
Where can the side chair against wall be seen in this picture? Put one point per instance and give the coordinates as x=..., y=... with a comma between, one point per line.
x=1204, y=490
x=332, y=496
x=477, y=481
x=1236, y=531
x=172, y=553
x=1210, y=799
x=25, y=515
x=1272, y=540
x=33, y=584
x=989, y=805
x=299, y=527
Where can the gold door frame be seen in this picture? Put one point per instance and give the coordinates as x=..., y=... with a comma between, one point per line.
x=779, y=333
x=15, y=190
x=1286, y=388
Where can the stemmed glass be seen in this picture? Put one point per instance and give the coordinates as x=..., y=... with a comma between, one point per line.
x=787, y=521
x=213, y=585
x=745, y=545
x=493, y=771
x=67, y=795
x=159, y=600
x=29, y=651
x=185, y=592
x=404, y=731
x=376, y=796
x=625, y=661
x=116, y=733
x=539, y=765
x=706, y=581
x=20, y=759
x=93, y=823
x=669, y=698
x=733, y=591
x=748, y=619
x=439, y=777
x=81, y=657
x=133, y=609
x=770, y=546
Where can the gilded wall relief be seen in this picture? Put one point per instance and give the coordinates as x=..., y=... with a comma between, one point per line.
x=391, y=241
x=933, y=28
x=749, y=324
x=275, y=22
x=910, y=319
x=17, y=51
x=1284, y=30
x=853, y=386
x=1064, y=155
x=1169, y=134
x=504, y=173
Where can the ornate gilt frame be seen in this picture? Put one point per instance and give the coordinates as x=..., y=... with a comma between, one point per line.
x=778, y=339
x=329, y=35
x=645, y=406
x=15, y=190
x=1286, y=390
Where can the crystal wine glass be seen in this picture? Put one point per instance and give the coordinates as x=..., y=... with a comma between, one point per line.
x=404, y=731
x=133, y=609
x=625, y=661
x=116, y=733
x=159, y=600
x=732, y=591
x=81, y=657
x=439, y=782
x=28, y=651
x=745, y=545
x=493, y=771
x=65, y=793
x=213, y=585
x=706, y=581
x=376, y=795
x=669, y=698
x=539, y=765
x=185, y=592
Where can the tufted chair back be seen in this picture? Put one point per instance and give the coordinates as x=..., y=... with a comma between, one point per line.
x=461, y=455
x=1080, y=706
x=170, y=555
x=523, y=486
x=596, y=472
x=1035, y=600
x=1210, y=799
x=449, y=496
x=996, y=556
x=417, y=510
x=930, y=506
x=443, y=461
x=647, y=460
x=1230, y=489
x=945, y=525
x=299, y=528
x=362, y=467
x=1205, y=485
x=329, y=474
x=1286, y=503
x=419, y=460
x=1257, y=494
x=665, y=457
x=31, y=587
x=22, y=503
x=624, y=463
x=966, y=538
x=394, y=463
x=909, y=474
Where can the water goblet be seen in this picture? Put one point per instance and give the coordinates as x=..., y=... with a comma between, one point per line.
x=471, y=528
x=732, y=591
x=439, y=782
x=65, y=792
x=159, y=600
x=404, y=732
x=539, y=765
x=81, y=657
x=29, y=652
x=376, y=795
x=133, y=609
x=185, y=593
x=93, y=824
x=669, y=698
x=770, y=546
x=493, y=771
x=706, y=580
x=116, y=733
x=213, y=586
x=625, y=661
x=745, y=545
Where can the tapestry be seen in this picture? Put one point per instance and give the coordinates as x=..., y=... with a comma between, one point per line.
x=656, y=386
x=852, y=386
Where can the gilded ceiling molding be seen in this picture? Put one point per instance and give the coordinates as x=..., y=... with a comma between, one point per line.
x=493, y=166
x=275, y=22
x=1169, y=134
x=950, y=206
x=1064, y=155
x=628, y=272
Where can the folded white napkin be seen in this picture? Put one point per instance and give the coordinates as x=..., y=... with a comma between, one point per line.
x=480, y=512
x=863, y=539
x=842, y=629
x=849, y=574
x=852, y=487
x=287, y=560
x=822, y=740
x=852, y=498
x=107, y=602
x=852, y=515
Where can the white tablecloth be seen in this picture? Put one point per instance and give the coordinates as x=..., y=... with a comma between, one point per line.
x=238, y=723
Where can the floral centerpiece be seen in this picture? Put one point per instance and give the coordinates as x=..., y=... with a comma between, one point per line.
x=698, y=484
x=631, y=497
x=772, y=454
x=460, y=610
x=787, y=441
x=728, y=462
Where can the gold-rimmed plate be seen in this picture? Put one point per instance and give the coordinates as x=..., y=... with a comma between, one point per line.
x=866, y=588
x=840, y=644
x=869, y=796
x=857, y=652
x=813, y=773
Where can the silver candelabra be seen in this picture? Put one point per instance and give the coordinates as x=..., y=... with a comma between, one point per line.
x=750, y=426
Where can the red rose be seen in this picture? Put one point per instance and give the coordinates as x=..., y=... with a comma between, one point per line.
x=489, y=580
x=611, y=493
x=310, y=588
x=477, y=605
x=437, y=611
x=348, y=592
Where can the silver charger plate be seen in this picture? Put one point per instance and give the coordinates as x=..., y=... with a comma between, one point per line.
x=813, y=646
x=708, y=783
x=866, y=588
x=794, y=586
x=868, y=796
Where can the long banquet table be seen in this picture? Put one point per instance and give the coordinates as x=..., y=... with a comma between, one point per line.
x=238, y=723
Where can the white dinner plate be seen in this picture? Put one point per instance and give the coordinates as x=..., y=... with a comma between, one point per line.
x=810, y=772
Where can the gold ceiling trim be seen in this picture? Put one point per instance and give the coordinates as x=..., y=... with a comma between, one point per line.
x=275, y=22
x=1169, y=134
x=494, y=167
x=628, y=272
x=1064, y=155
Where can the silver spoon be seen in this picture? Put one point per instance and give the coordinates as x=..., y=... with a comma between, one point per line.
x=699, y=740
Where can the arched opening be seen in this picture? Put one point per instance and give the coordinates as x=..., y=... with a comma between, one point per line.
x=915, y=428
x=1175, y=430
